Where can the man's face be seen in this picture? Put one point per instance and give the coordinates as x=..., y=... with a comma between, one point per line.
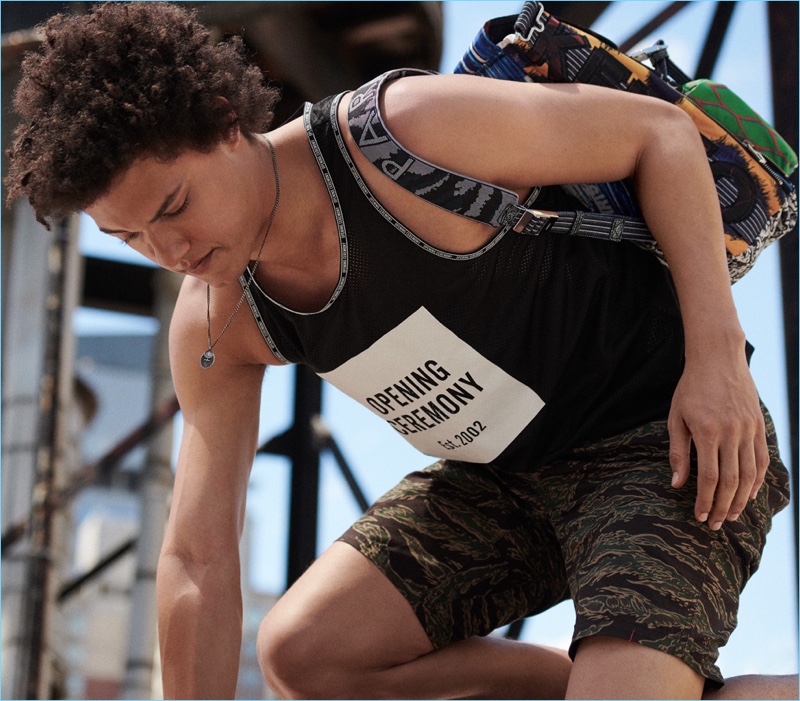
x=200, y=214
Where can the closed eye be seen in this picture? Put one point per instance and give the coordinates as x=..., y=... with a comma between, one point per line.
x=127, y=240
x=178, y=211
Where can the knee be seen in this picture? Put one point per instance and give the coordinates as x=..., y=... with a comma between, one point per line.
x=283, y=654
x=293, y=661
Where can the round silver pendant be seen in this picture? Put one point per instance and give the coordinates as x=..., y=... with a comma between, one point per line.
x=207, y=359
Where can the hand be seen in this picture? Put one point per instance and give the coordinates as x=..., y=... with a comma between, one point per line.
x=716, y=407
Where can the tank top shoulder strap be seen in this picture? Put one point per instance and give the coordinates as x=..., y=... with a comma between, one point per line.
x=466, y=196
x=452, y=191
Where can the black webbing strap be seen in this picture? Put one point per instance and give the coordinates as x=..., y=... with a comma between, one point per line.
x=460, y=194
x=611, y=227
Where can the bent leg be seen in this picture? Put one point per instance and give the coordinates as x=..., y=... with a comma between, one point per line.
x=403, y=605
x=642, y=570
x=611, y=668
x=343, y=631
x=758, y=686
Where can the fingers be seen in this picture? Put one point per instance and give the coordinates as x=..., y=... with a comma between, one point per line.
x=717, y=501
x=707, y=480
x=729, y=472
x=680, y=444
x=747, y=477
x=718, y=418
x=762, y=461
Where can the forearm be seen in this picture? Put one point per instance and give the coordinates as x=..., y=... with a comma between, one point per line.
x=715, y=407
x=200, y=628
x=680, y=203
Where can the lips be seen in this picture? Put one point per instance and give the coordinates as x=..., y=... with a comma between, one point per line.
x=200, y=265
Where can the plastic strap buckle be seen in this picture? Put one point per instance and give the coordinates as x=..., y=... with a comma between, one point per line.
x=527, y=223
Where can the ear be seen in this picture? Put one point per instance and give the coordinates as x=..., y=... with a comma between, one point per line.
x=235, y=135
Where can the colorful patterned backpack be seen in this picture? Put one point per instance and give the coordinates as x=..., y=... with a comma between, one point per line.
x=750, y=162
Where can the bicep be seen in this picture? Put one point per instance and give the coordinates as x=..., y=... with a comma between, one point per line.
x=524, y=134
x=220, y=408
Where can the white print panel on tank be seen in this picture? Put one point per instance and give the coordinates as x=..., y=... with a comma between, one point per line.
x=438, y=392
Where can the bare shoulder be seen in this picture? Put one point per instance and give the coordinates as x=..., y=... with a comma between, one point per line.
x=436, y=93
x=518, y=134
x=436, y=106
x=464, y=123
x=476, y=101
x=241, y=355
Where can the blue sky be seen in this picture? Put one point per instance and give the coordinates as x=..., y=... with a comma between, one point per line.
x=766, y=640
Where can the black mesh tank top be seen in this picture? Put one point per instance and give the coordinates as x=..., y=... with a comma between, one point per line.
x=509, y=354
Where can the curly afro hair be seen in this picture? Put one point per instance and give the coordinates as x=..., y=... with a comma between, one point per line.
x=125, y=80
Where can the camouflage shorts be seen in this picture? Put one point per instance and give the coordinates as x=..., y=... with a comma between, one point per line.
x=473, y=548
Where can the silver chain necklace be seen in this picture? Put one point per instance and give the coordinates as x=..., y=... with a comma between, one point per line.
x=208, y=357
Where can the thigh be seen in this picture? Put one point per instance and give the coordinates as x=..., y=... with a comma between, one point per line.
x=610, y=668
x=466, y=553
x=343, y=597
x=641, y=568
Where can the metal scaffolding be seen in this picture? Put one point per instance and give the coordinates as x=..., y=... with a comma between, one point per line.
x=304, y=68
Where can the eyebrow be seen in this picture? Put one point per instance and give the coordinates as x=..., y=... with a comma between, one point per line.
x=168, y=200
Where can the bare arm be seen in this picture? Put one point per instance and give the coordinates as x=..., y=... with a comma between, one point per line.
x=520, y=135
x=715, y=405
x=199, y=589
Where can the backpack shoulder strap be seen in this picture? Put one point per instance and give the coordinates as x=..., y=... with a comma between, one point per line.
x=461, y=194
x=454, y=192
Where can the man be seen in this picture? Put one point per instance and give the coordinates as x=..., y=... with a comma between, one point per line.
x=563, y=383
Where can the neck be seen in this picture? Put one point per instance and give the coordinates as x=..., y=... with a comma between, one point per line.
x=301, y=262
x=267, y=188
x=305, y=214
x=207, y=359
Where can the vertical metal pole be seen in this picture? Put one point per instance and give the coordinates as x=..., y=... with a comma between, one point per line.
x=35, y=613
x=153, y=496
x=783, y=35
x=304, y=453
x=24, y=347
x=67, y=460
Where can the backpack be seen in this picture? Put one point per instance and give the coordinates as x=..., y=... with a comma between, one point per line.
x=750, y=162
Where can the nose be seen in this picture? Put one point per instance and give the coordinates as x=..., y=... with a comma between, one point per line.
x=169, y=247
